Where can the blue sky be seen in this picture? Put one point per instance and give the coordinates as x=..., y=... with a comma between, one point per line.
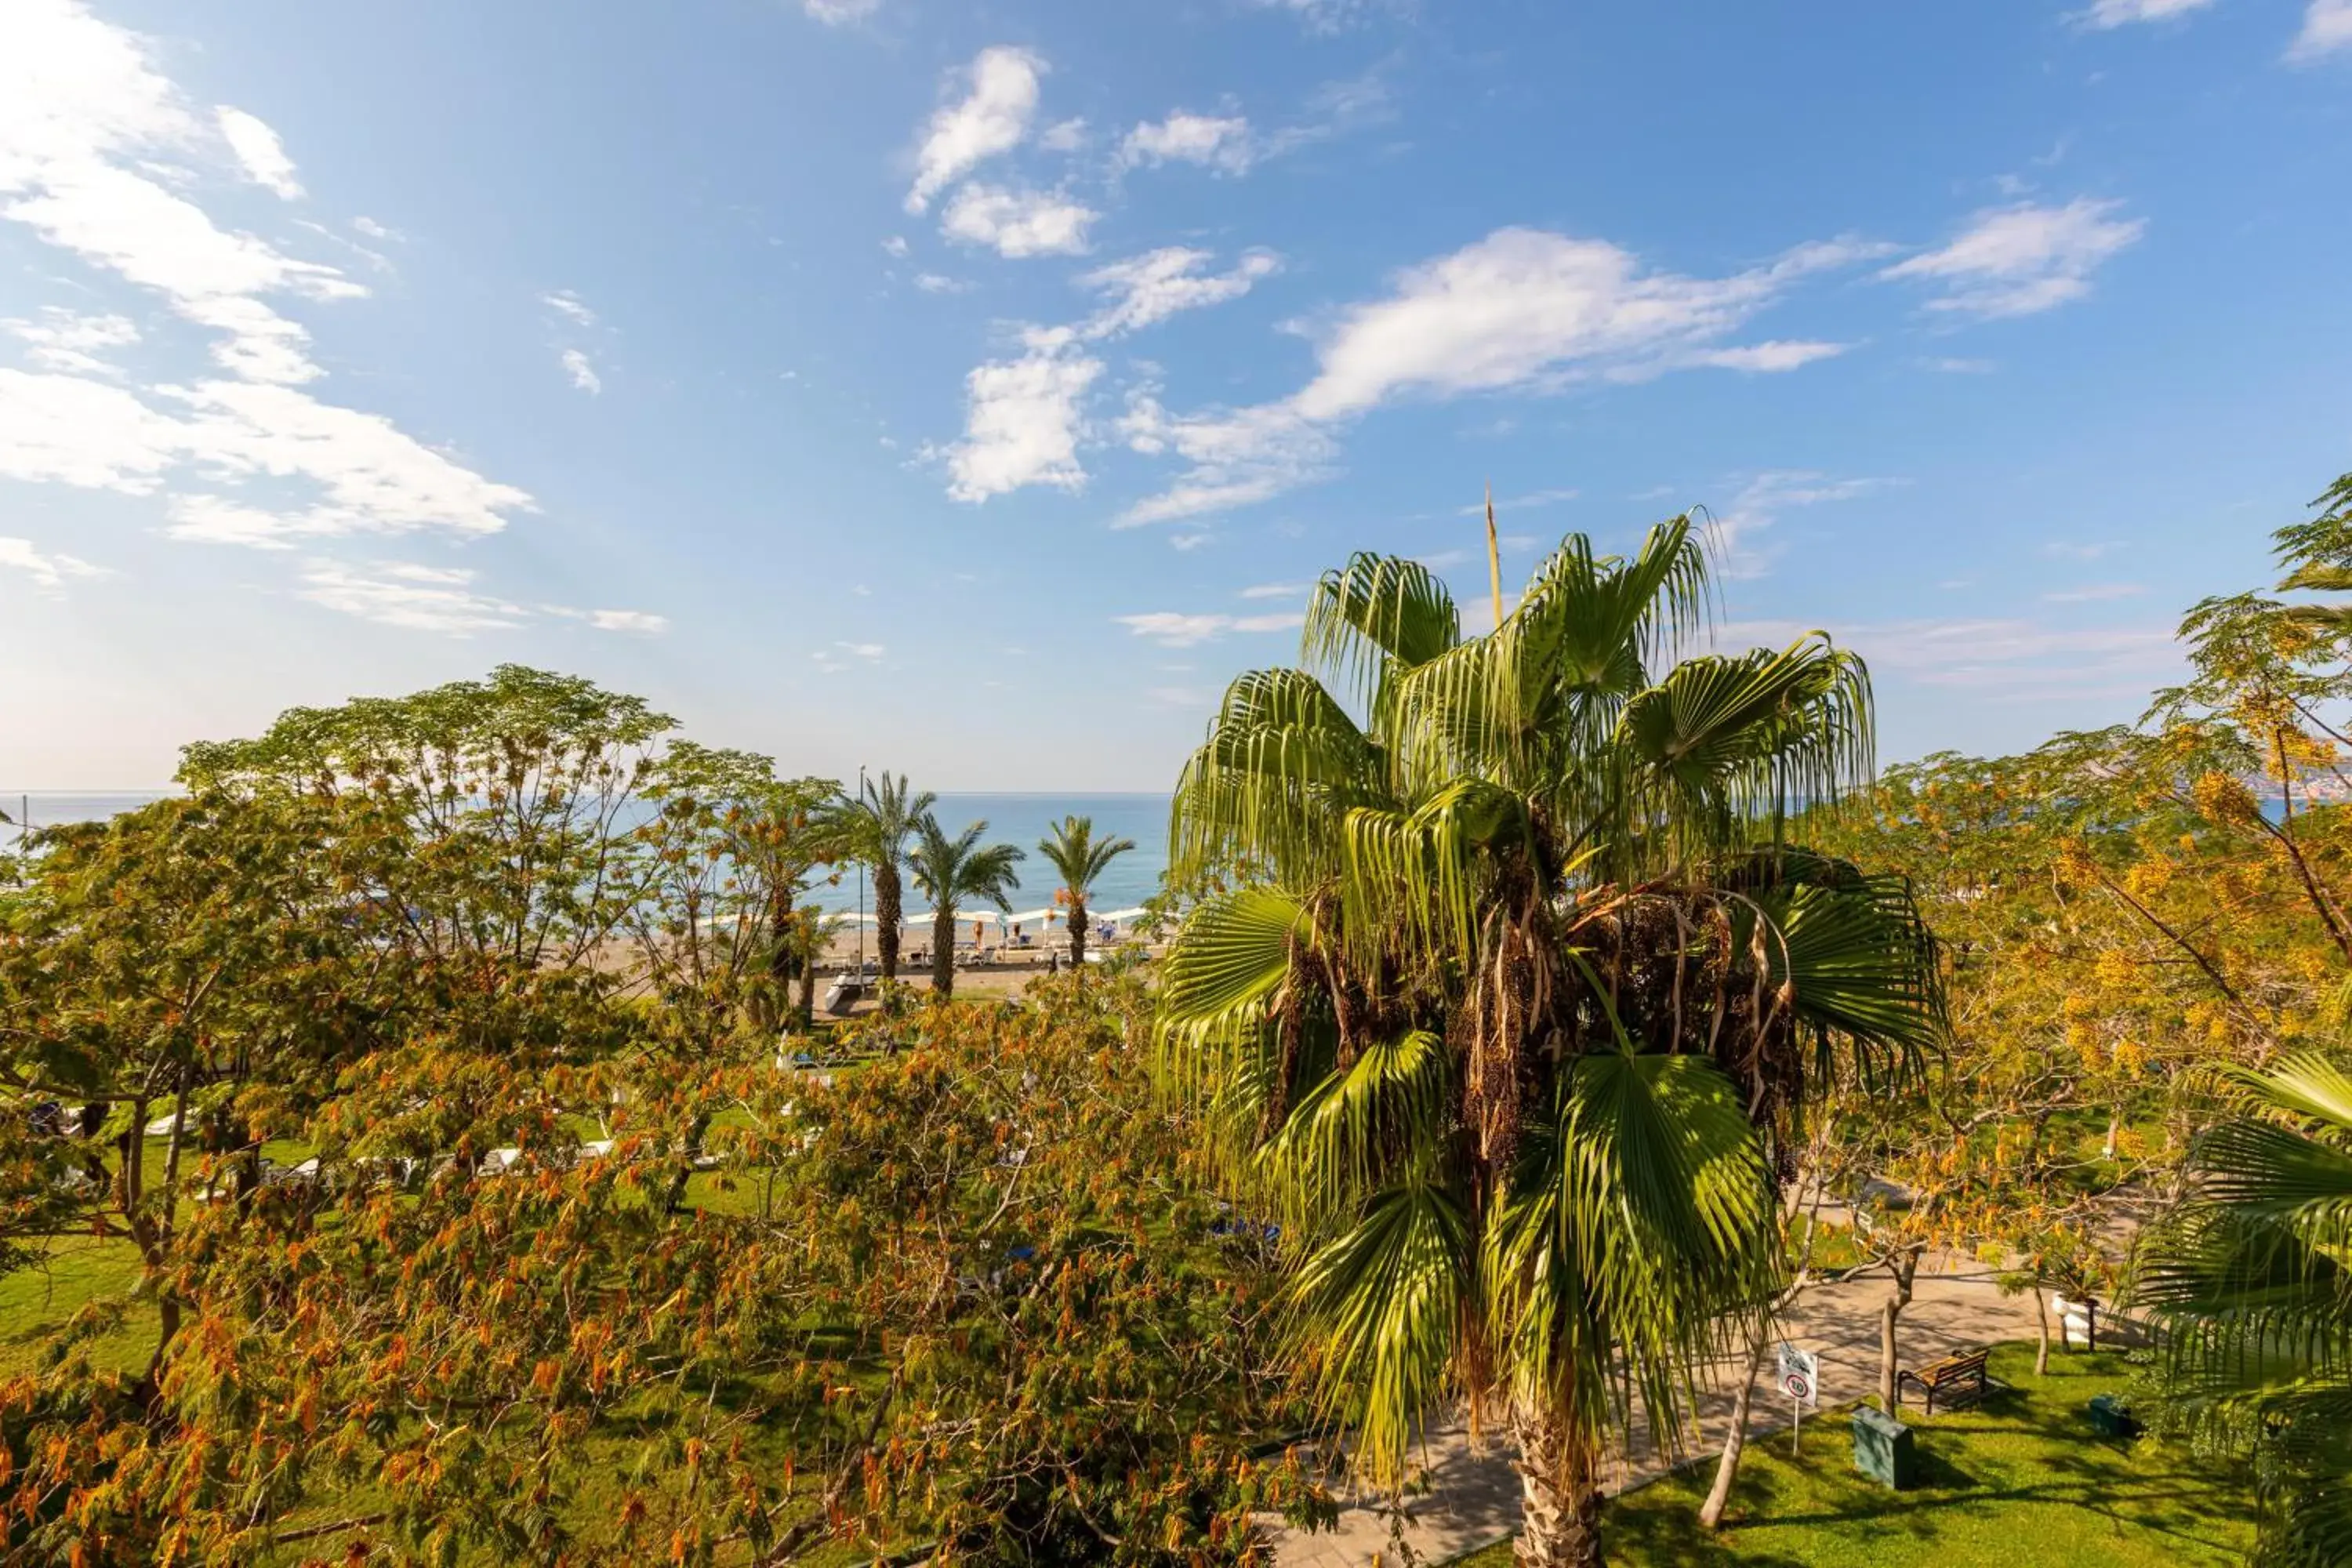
x=972, y=389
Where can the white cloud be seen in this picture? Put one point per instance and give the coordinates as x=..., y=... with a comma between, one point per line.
x=990, y=119
x=1520, y=503
x=1221, y=143
x=840, y=13
x=1774, y=356
x=2124, y=13
x=65, y=340
x=2015, y=656
x=1159, y=283
x=896, y=245
x=373, y=229
x=2326, y=28
x=2070, y=550
x=1277, y=591
x=1760, y=504
x=643, y=623
x=1023, y=419
x=2095, y=594
x=1238, y=456
x=570, y=306
x=1949, y=366
x=1526, y=308
x=87, y=136
x=1062, y=136
x=1018, y=223
x=260, y=150
x=1191, y=542
x=938, y=283
x=2017, y=260
x=1171, y=628
x=1522, y=310
x=49, y=572
x=412, y=597
x=63, y=429
x=869, y=651
x=582, y=371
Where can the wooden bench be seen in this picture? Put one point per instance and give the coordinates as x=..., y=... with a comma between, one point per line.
x=1953, y=1375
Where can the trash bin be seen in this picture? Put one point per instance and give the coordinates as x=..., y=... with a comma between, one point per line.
x=1883, y=1448
x=2111, y=1418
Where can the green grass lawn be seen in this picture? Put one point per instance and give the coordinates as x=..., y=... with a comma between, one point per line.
x=2018, y=1480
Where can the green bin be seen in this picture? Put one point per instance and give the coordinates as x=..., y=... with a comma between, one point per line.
x=1883, y=1448
x=2111, y=1418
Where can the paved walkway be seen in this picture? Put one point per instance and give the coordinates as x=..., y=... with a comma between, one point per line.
x=1471, y=1497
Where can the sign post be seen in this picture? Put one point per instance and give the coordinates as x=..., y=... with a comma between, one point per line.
x=1801, y=1379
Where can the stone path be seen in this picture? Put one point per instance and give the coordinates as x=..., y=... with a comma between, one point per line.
x=1471, y=1497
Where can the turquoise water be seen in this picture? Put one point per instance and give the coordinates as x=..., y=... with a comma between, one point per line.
x=1020, y=819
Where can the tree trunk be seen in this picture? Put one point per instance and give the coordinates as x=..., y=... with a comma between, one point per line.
x=1078, y=932
x=808, y=993
x=1906, y=1269
x=944, y=952
x=1727, y=1470
x=2042, y=1323
x=1560, y=1498
x=1886, y=1368
x=886, y=919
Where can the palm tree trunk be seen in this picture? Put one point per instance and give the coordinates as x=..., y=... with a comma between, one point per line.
x=1077, y=933
x=944, y=952
x=2042, y=1323
x=1559, y=1496
x=886, y=919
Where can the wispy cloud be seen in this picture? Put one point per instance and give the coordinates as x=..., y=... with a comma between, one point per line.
x=1171, y=628
x=2106, y=14
x=1221, y=143
x=569, y=306
x=582, y=371
x=2096, y=592
x=259, y=152
x=1520, y=310
x=2326, y=28
x=1151, y=288
x=49, y=572
x=69, y=342
x=2018, y=261
x=999, y=99
x=840, y=13
x=410, y=597
x=1276, y=591
x=1521, y=502
x=1016, y=223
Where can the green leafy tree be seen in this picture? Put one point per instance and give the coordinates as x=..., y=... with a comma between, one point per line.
x=883, y=816
x=1079, y=859
x=1517, y=994
x=953, y=873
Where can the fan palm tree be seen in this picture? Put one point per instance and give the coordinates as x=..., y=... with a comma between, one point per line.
x=2253, y=1274
x=1080, y=857
x=952, y=872
x=880, y=818
x=1517, y=988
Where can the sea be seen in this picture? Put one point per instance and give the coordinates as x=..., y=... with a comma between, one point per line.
x=1020, y=819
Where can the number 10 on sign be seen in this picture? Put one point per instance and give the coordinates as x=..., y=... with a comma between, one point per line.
x=1800, y=1380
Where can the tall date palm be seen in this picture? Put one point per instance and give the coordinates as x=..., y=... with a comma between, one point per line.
x=951, y=873
x=879, y=820
x=1080, y=858
x=1517, y=989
